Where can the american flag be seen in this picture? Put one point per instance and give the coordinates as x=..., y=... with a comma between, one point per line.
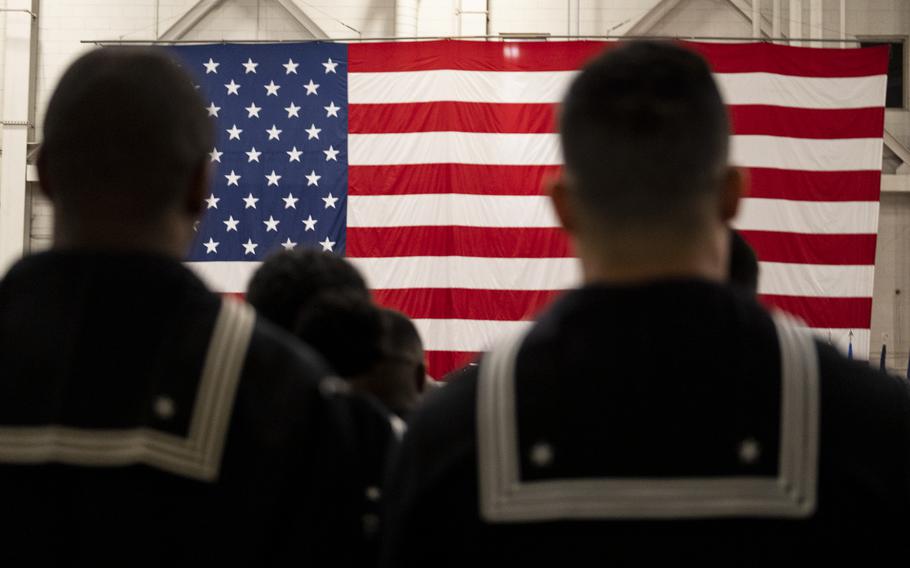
x=423, y=163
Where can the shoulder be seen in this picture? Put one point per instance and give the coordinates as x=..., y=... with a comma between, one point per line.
x=865, y=430
x=856, y=384
x=441, y=432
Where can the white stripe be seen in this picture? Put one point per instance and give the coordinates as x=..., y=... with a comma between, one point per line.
x=479, y=335
x=815, y=280
x=453, y=148
x=469, y=272
x=819, y=217
x=463, y=86
x=550, y=87
x=543, y=149
x=465, y=335
x=816, y=155
x=450, y=209
x=225, y=277
x=801, y=92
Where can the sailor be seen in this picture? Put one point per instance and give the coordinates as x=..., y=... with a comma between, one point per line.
x=145, y=420
x=653, y=416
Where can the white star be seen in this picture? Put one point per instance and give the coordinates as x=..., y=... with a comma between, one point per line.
x=253, y=155
x=330, y=66
x=211, y=246
x=331, y=110
x=294, y=154
x=212, y=201
x=250, y=201
x=232, y=178
x=231, y=224
x=290, y=67
x=288, y=245
x=271, y=89
x=330, y=154
x=312, y=179
x=253, y=110
x=213, y=110
x=274, y=133
x=273, y=178
x=234, y=132
x=249, y=247
x=211, y=67
x=310, y=223
x=313, y=132
x=232, y=88
x=311, y=88
x=271, y=224
x=215, y=155
x=330, y=201
x=196, y=226
x=292, y=110
x=250, y=66
x=327, y=245
x=290, y=202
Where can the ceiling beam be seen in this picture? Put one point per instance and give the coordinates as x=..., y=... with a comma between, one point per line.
x=652, y=17
x=303, y=19
x=185, y=23
x=746, y=9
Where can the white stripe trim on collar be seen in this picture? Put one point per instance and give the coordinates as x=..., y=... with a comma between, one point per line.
x=504, y=497
x=197, y=456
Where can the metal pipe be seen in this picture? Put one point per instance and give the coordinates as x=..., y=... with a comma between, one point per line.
x=428, y=38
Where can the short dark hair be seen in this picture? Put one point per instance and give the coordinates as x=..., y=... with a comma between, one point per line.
x=645, y=135
x=743, y=264
x=289, y=280
x=124, y=129
x=345, y=328
x=401, y=336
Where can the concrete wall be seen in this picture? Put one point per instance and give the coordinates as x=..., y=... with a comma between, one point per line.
x=64, y=23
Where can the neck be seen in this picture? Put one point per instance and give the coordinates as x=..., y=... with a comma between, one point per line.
x=166, y=237
x=631, y=260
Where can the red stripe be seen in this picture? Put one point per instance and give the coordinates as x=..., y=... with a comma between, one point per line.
x=441, y=363
x=786, y=60
x=486, y=242
x=837, y=313
x=475, y=179
x=570, y=55
x=448, y=178
x=462, y=303
x=448, y=116
x=490, y=242
x=812, y=248
x=807, y=123
x=471, y=56
x=814, y=186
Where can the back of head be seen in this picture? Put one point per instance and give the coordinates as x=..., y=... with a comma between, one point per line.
x=645, y=139
x=124, y=135
x=289, y=280
x=345, y=328
x=401, y=337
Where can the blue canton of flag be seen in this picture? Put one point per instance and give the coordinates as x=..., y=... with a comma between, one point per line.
x=280, y=156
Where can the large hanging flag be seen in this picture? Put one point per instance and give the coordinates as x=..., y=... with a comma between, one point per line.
x=422, y=162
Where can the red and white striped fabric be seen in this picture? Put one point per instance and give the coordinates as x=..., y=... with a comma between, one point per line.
x=449, y=142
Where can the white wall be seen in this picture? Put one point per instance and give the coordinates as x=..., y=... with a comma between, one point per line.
x=63, y=23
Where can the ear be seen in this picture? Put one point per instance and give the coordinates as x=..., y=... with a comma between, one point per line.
x=199, y=187
x=734, y=187
x=558, y=188
x=44, y=181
